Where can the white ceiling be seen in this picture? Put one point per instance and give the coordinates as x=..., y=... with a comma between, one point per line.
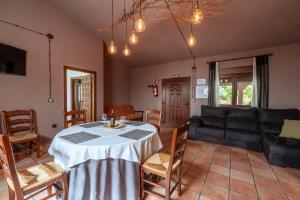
x=246, y=24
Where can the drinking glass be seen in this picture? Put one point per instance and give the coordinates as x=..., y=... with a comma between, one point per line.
x=122, y=119
x=104, y=117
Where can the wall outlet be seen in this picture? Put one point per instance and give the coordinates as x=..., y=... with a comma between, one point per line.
x=54, y=125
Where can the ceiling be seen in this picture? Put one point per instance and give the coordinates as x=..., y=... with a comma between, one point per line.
x=245, y=25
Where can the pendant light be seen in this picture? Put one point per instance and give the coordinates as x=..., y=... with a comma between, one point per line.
x=140, y=24
x=112, y=49
x=191, y=40
x=126, y=50
x=133, y=39
x=197, y=14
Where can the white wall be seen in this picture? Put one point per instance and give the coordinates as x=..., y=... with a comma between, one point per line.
x=284, y=77
x=72, y=46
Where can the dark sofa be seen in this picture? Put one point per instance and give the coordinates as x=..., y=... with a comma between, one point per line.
x=278, y=150
x=251, y=128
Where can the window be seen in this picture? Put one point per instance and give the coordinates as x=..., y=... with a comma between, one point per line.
x=236, y=86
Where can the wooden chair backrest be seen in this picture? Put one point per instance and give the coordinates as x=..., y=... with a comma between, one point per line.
x=153, y=117
x=74, y=117
x=18, y=121
x=8, y=164
x=178, y=144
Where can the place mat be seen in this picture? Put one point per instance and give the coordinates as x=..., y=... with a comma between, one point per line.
x=79, y=137
x=136, y=134
x=91, y=125
x=134, y=123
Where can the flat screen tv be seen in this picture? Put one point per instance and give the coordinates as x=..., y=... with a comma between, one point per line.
x=12, y=60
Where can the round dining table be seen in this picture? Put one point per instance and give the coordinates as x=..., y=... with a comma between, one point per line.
x=104, y=163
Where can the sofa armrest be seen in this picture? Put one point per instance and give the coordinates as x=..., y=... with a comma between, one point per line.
x=196, y=120
x=139, y=111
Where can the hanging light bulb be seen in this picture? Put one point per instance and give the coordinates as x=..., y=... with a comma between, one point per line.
x=126, y=51
x=112, y=49
x=140, y=24
x=133, y=39
x=197, y=16
x=191, y=40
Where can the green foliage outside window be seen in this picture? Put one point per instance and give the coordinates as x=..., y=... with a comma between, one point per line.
x=225, y=94
x=247, y=95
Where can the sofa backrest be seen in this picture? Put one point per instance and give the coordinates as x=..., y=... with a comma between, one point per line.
x=243, y=119
x=214, y=116
x=271, y=120
x=119, y=110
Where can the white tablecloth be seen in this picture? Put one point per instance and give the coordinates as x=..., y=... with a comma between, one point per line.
x=109, y=145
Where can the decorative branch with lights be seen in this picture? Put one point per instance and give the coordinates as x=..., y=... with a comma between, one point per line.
x=181, y=8
x=183, y=11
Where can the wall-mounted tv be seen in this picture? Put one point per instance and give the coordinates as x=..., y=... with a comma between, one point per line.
x=12, y=60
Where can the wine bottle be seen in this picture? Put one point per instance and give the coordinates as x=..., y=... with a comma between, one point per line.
x=112, y=118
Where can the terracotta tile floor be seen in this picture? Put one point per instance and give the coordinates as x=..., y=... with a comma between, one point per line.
x=217, y=172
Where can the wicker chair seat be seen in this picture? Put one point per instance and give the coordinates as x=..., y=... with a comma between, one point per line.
x=22, y=137
x=158, y=164
x=38, y=175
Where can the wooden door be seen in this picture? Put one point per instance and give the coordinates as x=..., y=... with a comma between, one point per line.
x=86, y=97
x=176, y=101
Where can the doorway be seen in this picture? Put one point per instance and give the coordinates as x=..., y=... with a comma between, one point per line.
x=175, y=101
x=80, y=91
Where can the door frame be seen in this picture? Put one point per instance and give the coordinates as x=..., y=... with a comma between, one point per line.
x=95, y=86
x=170, y=80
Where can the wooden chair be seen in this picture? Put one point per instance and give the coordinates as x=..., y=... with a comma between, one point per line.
x=74, y=117
x=26, y=184
x=153, y=117
x=164, y=166
x=20, y=127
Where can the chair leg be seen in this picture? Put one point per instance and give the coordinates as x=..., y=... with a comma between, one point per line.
x=179, y=181
x=167, y=188
x=11, y=194
x=49, y=190
x=30, y=148
x=37, y=148
x=65, y=186
x=142, y=193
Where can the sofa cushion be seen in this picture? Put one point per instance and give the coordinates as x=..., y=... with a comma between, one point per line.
x=247, y=136
x=209, y=111
x=243, y=113
x=271, y=120
x=136, y=116
x=243, y=124
x=128, y=109
x=291, y=129
x=213, y=122
x=243, y=119
x=286, y=147
x=210, y=131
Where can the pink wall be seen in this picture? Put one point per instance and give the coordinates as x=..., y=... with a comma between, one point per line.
x=284, y=77
x=72, y=46
x=116, y=81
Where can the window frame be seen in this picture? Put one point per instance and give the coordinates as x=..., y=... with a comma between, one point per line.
x=240, y=73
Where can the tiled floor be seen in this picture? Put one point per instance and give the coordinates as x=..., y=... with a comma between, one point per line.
x=218, y=172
